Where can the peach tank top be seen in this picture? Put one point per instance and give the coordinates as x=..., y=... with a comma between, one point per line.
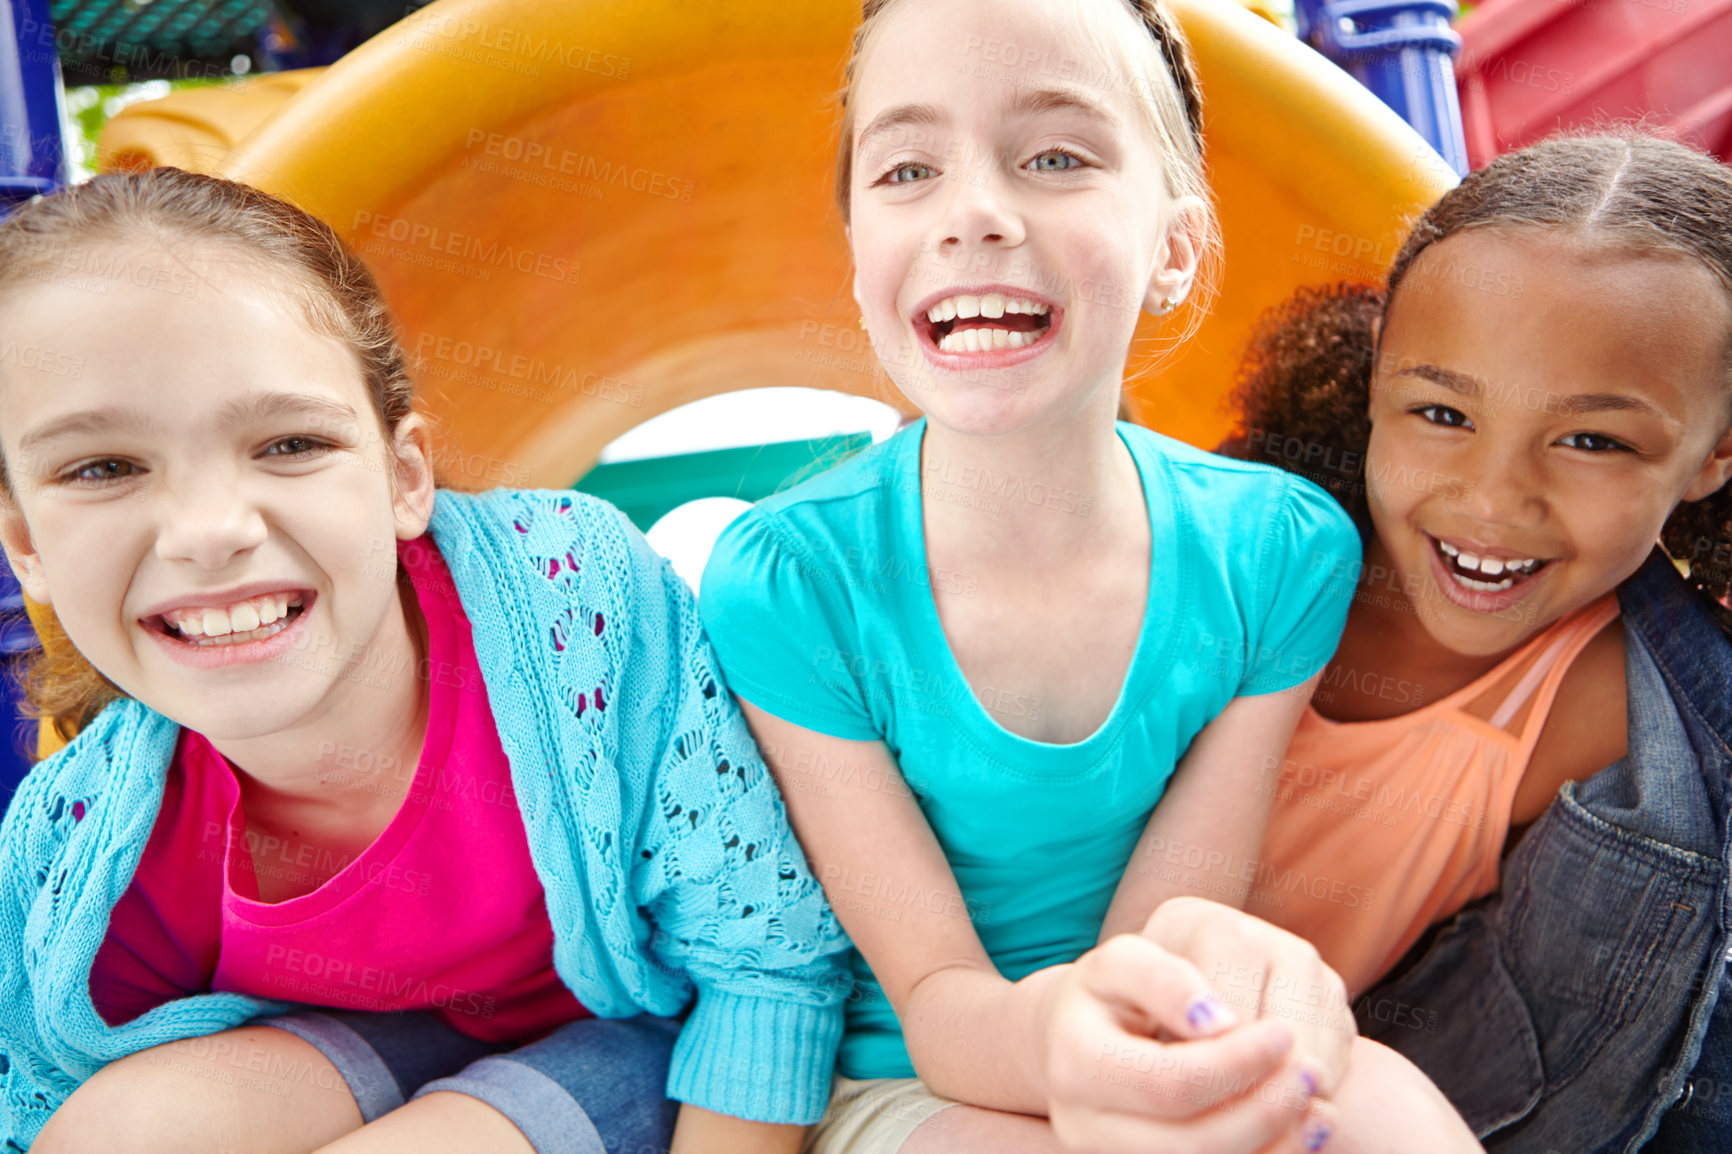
x=1381, y=828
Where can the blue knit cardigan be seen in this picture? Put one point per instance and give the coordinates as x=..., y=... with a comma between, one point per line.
x=657, y=833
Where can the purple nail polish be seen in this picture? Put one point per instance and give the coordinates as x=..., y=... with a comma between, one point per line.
x=1203, y=1013
x=1310, y=1083
x=1316, y=1133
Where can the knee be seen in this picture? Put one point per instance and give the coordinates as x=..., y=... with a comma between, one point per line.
x=127, y=1107
x=198, y=1093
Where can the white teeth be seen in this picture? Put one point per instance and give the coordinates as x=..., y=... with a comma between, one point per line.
x=969, y=340
x=243, y=617
x=1487, y=566
x=1484, y=586
x=992, y=305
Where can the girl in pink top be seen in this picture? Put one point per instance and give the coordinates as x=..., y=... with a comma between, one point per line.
x=397, y=817
x=1536, y=400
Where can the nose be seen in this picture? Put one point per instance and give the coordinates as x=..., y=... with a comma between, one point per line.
x=208, y=520
x=978, y=212
x=1501, y=484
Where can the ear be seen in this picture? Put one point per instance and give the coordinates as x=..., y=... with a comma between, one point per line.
x=21, y=551
x=412, y=493
x=1714, y=473
x=1176, y=261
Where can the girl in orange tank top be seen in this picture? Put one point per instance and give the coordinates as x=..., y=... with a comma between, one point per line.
x=1511, y=424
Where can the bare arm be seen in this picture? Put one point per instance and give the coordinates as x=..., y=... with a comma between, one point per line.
x=973, y=1035
x=701, y=1131
x=1204, y=837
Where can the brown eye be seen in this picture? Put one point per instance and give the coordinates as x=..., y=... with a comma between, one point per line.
x=1595, y=443
x=104, y=471
x=1445, y=416
x=294, y=447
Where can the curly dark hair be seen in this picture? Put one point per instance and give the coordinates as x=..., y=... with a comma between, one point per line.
x=1304, y=387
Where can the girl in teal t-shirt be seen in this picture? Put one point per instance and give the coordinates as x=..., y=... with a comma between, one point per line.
x=1021, y=671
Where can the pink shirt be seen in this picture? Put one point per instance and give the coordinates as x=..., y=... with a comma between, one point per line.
x=443, y=911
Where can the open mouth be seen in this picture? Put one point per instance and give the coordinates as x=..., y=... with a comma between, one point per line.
x=253, y=619
x=968, y=323
x=1486, y=574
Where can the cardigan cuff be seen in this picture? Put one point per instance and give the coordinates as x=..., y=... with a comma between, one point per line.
x=761, y=1059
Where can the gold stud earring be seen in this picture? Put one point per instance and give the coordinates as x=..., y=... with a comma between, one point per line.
x=862, y=321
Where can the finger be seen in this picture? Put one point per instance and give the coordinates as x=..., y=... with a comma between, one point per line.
x=1269, y=1118
x=1157, y=990
x=1313, y=1001
x=1311, y=1135
x=1261, y=971
x=1133, y=1074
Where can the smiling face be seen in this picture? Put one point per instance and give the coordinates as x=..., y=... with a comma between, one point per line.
x=1009, y=218
x=204, y=493
x=1539, y=406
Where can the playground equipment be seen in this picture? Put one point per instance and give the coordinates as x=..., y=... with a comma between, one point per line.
x=1528, y=69
x=587, y=215
x=34, y=161
x=196, y=128
x=1400, y=50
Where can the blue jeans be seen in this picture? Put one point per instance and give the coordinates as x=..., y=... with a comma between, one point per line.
x=593, y=1086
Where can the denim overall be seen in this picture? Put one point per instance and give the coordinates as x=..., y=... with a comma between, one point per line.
x=1578, y=1010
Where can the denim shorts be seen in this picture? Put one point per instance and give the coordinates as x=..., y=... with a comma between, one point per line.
x=593, y=1086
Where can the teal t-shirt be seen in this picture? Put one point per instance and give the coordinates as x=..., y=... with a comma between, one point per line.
x=818, y=602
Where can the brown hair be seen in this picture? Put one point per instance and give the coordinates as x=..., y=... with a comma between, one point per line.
x=1171, y=98
x=1306, y=379
x=337, y=295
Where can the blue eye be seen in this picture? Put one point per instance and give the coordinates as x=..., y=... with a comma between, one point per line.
x=1444, y=415
x=1600, y=443
x=1055, y=160
x=900, y=174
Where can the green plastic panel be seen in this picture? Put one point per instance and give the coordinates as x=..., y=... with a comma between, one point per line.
x=650, y=488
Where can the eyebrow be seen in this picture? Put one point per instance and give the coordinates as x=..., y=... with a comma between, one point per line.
x=248, y=409
x=1469, y=385
x=900, y=116
x=1033, y=101
x=1028, y=102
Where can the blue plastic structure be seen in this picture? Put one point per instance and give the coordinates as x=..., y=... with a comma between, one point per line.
x=17, y=732
x=1404, y=52
x=32, y=156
